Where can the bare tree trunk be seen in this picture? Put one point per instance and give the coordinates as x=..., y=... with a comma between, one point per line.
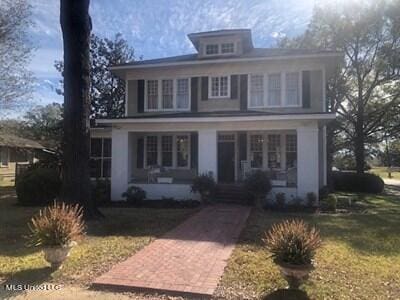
x=359, y=149
x=76, y=27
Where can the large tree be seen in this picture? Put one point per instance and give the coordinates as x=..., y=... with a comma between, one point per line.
x=44, y=124
x=107, y=91
x=365, y=92
x=16, y=81
x=76, y=26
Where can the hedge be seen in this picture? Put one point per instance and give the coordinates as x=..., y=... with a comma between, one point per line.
x=358, y=183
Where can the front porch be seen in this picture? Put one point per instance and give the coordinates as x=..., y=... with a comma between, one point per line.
x=164, y=163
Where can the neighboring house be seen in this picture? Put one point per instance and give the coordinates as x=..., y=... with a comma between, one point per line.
x=15, y=150
x=228, y=109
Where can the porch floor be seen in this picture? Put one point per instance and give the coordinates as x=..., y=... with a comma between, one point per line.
x=190, y=259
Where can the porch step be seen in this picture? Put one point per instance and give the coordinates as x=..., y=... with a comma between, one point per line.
x=231, y=193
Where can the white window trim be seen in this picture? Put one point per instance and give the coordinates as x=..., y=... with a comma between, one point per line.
x=174, y=151
x=220, y=49
x=212, y=54
x=230, y=53
x=265, y=135
x=210, y=96
x=249, y=91
x=283, y=90
x=102, y=157
x=249, y=134
x=159, y=96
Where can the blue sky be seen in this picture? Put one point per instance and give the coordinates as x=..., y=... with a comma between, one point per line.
x=158, y=28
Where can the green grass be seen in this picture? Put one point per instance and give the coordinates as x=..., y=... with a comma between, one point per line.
x=359, y=259
x=382, y=172
x=123, y=232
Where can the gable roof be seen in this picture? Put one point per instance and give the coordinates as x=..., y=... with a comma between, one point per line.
x=13, y=141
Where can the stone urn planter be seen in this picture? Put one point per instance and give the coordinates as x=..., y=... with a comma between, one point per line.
x=295, y=275
x=56, y=255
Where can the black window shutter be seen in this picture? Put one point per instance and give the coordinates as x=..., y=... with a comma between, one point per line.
x=140, y=99
x=234, y=86
x=194, y=146
x=140, y=153
x=194, y=93
x=306, y=86
x=204, y=88
x=243, y=92
x=242, y=146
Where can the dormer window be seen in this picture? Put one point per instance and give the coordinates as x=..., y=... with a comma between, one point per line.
x=212, y=49
x=227, y=48
x=220, y=49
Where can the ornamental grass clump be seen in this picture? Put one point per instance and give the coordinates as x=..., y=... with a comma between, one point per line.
x=293, y=242
x=59, y=225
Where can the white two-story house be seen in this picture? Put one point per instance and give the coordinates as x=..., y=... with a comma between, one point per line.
x=228, y=109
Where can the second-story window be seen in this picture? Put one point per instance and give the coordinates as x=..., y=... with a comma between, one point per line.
x=257, y=90
x=292, y=89
x=212, y=49
x=219, y=87
x=227, y=48
x=152, y=94
x=182, y=93
x=274, y=89
x=167, y=94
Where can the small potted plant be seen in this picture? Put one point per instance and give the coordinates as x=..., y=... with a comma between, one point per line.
x=205, y=185
x=293, y=245
x=57, y=228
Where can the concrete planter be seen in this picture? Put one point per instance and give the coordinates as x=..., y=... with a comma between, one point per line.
x=56, y=255
x=295, y=275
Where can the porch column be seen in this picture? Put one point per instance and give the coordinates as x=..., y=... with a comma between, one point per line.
x=208, y=151
x=307, y=161
x=119, y=163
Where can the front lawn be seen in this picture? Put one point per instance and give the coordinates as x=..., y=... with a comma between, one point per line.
x=360, y=257
x=382, y=172
x=119, y=235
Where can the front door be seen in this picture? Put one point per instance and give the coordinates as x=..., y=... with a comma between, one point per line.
x=226, y=161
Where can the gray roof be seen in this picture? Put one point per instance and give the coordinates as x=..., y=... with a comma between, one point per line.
x=13, y=141
x=253, y=53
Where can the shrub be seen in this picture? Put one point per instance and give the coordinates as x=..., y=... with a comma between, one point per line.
x=101, y=191
x=311, y=199
x=205, y=185
x=134, y=195
x=38, y=186
x=293, y=242
x=258, y=185
x=297, y=202
x=280, y=200
x=358, y=183
x=57, y=225
x=331, y=202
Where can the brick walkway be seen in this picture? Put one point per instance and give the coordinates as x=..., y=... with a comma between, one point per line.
x=190, y=259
